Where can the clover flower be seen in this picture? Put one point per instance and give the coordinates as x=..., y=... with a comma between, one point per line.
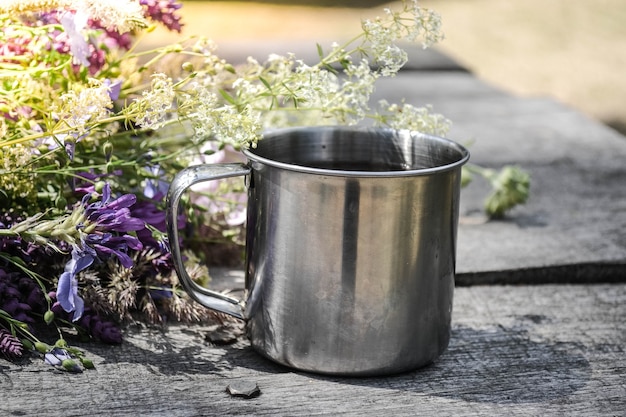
x=163, y=11
x=93, y=324
x=10, y=346
x=11, y=298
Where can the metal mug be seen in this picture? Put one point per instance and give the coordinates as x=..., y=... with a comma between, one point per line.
x=350, y=247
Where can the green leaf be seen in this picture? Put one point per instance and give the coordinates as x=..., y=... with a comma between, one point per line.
x=228, y=97
x=265, y=83
x=27, y=344
x=320, y=51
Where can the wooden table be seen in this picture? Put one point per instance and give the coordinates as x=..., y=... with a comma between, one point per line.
x=536, y=348
x=524, y=350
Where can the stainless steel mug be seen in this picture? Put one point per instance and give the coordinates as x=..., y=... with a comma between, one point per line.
x=350, y=247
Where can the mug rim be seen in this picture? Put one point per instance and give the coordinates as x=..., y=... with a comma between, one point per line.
x=464, y=153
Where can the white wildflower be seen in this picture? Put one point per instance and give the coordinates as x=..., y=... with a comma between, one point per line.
x=356, y=91
x=3, y=127
x=228, y=124
x=247, y=90
x=252, y=62
x=155, y=103
x=23, y=6
x=423, y=24
x=427, y=26
x=12, y=160
x=313, y=86
x=85, y=107
x=238, y=128
x=203, y=105
x=279, y=66
x=391, y=59
x=204, y=46
x=120, y=15
x=420, y=119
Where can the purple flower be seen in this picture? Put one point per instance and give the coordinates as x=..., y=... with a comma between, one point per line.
x=110, y=215
x=112, y=39
x=74, y=23
x=103, y=235
x=61, y=358
x=155, y=186
x=10, y=346
x=106, y=332
x=20, y=297
x=56, y=356
x=67, y=289
x=163, y=11
x=115, y=88
x=103, y=246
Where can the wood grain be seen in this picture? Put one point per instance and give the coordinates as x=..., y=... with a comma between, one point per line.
x=515, y=350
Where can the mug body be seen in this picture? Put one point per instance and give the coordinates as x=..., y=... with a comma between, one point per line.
x=350, y=254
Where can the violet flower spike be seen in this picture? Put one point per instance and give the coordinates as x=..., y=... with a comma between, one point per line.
x=108, y=216
x=103, y=227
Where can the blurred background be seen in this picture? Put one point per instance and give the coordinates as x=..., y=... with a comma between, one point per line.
x=571, y=50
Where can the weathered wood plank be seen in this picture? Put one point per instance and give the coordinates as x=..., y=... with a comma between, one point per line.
x=523, y=350
x=576, y=214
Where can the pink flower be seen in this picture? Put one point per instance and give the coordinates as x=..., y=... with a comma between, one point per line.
x=163, y=11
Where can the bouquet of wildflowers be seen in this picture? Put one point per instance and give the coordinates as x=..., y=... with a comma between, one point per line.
x=92, y=125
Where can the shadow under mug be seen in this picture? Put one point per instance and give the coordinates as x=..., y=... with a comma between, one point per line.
x=350, y=247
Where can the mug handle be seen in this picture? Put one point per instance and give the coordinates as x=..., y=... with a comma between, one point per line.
x=183, y=180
